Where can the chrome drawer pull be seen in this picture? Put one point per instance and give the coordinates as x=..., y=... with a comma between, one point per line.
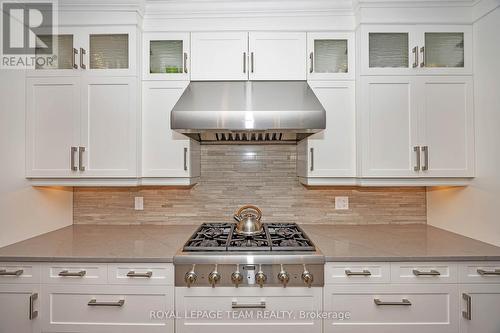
x=133, y=274
x=67, y=273
x=467, y=314
x=4, y=272
x=404, y=302
x=93, y=302
x=483, y=272
x=432, y=272
x=261, y=305
x=364, y=272
x=33, y=313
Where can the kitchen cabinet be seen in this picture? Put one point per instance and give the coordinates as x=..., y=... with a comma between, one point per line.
x=402, y=120
x=19, y=306
x=331, y=153
x=277, y=55
x=219, y=56
x=168, y=157
x=479, y=306
x=79, y=127
x=416, y=49
x=331, y=55
x=166, y=56
x=97, y=50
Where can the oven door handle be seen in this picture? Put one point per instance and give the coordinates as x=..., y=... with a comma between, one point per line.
x=260, y=305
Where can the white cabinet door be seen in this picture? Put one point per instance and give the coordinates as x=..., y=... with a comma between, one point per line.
x=446, y=126
x=480, y=304
x=277, y=55
x=52, y=126
x=19, y=308
x=109, y=126
x=165, y=153
x=332, y=152
x=219, y=56
x=389, y=126
x=166, y=56
x=331, y=55
x=392, y=308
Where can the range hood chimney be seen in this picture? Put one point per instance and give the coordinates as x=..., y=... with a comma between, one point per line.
x=248, y=112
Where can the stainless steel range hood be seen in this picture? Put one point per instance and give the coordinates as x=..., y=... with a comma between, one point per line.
x=248, y=112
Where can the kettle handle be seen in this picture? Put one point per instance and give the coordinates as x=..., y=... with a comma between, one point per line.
x=252, y=207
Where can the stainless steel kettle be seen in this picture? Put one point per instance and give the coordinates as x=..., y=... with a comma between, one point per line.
x=248, y=218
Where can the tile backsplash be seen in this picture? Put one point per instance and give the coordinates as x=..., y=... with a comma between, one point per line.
x=264, y=175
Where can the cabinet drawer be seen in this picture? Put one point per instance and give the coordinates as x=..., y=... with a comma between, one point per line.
x=357, y=273
x=424, y=273
x=105, y=308
x=251, y=304
x=74, y=273
x=19, y=272
x=479, y=272
x=144, y=274
x=393, y=308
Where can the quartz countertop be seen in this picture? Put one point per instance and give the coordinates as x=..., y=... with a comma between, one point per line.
x=153, y=243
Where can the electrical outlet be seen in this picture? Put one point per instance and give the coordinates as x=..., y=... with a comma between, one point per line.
x=342, y=203
x=139, y=203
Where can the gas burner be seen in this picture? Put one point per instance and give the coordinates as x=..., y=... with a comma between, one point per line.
x=212, y=237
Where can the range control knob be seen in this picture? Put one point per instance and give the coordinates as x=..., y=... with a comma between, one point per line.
x=260, y=278
x=214, y=277
x=190, y=277
x=307, y=277
x=236, y=278
x=283, y=277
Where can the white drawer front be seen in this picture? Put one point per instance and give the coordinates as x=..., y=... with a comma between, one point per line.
x=74, y=273
x=19, y=272
x=143, y=274
x=479, y=272
x=434, y=308
x=424, y=272
x=357, y=273
x=68, y=308
x=243, y=309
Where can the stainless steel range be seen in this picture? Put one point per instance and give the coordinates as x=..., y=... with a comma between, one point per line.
x=278, y=254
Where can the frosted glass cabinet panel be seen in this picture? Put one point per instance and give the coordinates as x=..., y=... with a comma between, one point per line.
x=61, y=57
x=108, y=51
x=330, y=56
x=388, y=49
x=444, y=49
x=166, y=56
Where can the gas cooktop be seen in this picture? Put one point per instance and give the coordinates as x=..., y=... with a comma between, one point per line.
x=211, y=237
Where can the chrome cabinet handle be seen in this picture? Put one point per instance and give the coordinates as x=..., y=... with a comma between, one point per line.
x=244, y=62
x=483, y=272
x=73, y=61
x=425, y=150
x=415, y=56
x=94, y=302
x=467, y=314
x=4, y=272
x=73, y=165
x=364, y=272
x=33, y=313
x=422, y=50
x=251, y=62
x=417, y=166
x=81, y=167
x=311, y=57
x=432, y=272
x=67, y=273
x=82, y=54
x=403, y=302
x=185, y=159
x=261, y=305
x=312, y=159
x=133, y=274
x=185, y=62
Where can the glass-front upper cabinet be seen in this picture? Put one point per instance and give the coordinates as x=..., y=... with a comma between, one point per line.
x=416, y=49
x=330, y=56
x=166, y=56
